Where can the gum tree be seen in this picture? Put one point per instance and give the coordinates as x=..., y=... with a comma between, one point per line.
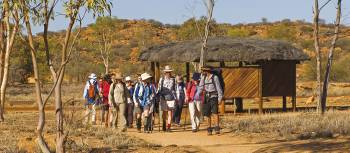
x=42, y=12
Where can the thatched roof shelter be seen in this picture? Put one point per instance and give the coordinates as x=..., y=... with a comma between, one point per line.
x=224, y=49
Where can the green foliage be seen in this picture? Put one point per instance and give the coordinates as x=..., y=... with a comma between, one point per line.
x=193, y=29
x=282, y=32
x=239, y=32
x=340, y=70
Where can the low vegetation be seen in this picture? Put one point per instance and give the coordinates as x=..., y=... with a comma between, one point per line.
x=304, y=125
x=18, y=135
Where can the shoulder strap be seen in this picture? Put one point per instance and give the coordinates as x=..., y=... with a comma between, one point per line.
x=213, y=81
x=112, y=91
x=161, y=84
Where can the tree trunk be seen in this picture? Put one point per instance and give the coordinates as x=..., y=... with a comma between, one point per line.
x=318, y=55
x=10, y=37
x=60, y=135
x=107, y=68
x=210, y=7
x=41, y=107
x=330, y=58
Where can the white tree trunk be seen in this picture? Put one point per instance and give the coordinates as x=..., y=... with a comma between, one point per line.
x=318, y=55
x=9, y=44
x=210, y=7
x=330, y=58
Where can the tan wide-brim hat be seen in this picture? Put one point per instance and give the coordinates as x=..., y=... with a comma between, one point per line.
x=117, y=77
x=145, y=76
x=168, y=69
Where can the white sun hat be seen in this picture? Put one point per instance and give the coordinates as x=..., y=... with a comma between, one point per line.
x=92, y=76
x=167, y=68
x=145, y=76
x=128, y=78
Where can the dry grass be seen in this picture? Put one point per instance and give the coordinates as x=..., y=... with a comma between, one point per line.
x=293, y=125
x=18, y=135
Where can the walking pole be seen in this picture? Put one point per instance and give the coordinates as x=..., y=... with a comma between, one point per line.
x=185, y=120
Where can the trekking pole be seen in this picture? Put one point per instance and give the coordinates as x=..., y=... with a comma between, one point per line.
x=185, y=119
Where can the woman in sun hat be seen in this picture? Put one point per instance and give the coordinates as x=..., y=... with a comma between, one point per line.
x=91, y=93
x=166, y=91
x=130, y=105
x=118, y=97
x=144, y=95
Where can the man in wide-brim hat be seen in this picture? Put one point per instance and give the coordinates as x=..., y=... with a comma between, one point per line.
x=166, y=91
x=213, y=93
x=118, y=97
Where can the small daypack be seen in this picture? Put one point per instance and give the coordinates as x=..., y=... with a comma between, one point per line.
x=92, y=90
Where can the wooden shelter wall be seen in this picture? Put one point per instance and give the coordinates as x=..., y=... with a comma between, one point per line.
x=278, y=78
x=241, y=82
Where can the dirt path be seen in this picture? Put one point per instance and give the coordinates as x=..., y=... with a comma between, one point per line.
x=224, y=142
x=228, y=143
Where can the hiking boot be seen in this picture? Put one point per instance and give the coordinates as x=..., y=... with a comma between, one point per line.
x=138, y=124
x=168, y=129
x=194, y=130
x=139, y=130
x=217, y=130
x=210, y=131
x=164, y=126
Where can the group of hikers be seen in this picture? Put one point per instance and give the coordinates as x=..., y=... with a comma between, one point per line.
x=123, y=99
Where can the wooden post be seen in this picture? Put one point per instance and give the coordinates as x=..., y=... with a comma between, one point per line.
x=284, y=105
x=294, y=103
x=239, y=104
x=188, y=72
x=222, y=64
x=260, y=92
x=222, y=107
x=260, y=105
x=157, y=72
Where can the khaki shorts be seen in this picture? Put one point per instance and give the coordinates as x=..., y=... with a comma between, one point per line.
x=167, y=105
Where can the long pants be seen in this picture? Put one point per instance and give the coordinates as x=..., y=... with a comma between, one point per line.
x=117, y=118
x=90, y=113
x=130, y=114
x=178, y=111
x=195, y=113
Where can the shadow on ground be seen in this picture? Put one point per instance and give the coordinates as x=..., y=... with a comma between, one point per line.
x=314, y=146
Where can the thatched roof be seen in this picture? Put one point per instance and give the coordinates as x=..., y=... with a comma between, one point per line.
x=224, y=49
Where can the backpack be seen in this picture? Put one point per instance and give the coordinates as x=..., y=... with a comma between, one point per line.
x=92, y=90
x=218, y=73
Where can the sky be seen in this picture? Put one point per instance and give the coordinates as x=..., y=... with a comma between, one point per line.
x=225, y=11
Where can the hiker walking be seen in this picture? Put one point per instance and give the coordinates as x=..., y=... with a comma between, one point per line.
x=166, y=91
x=91, y=93
x=180, y=91
x=138, y=109
x=213, y=92
x=144, y=95
x=117, y=99
x=130, y=105
x=194, y=101
x=104, y=91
